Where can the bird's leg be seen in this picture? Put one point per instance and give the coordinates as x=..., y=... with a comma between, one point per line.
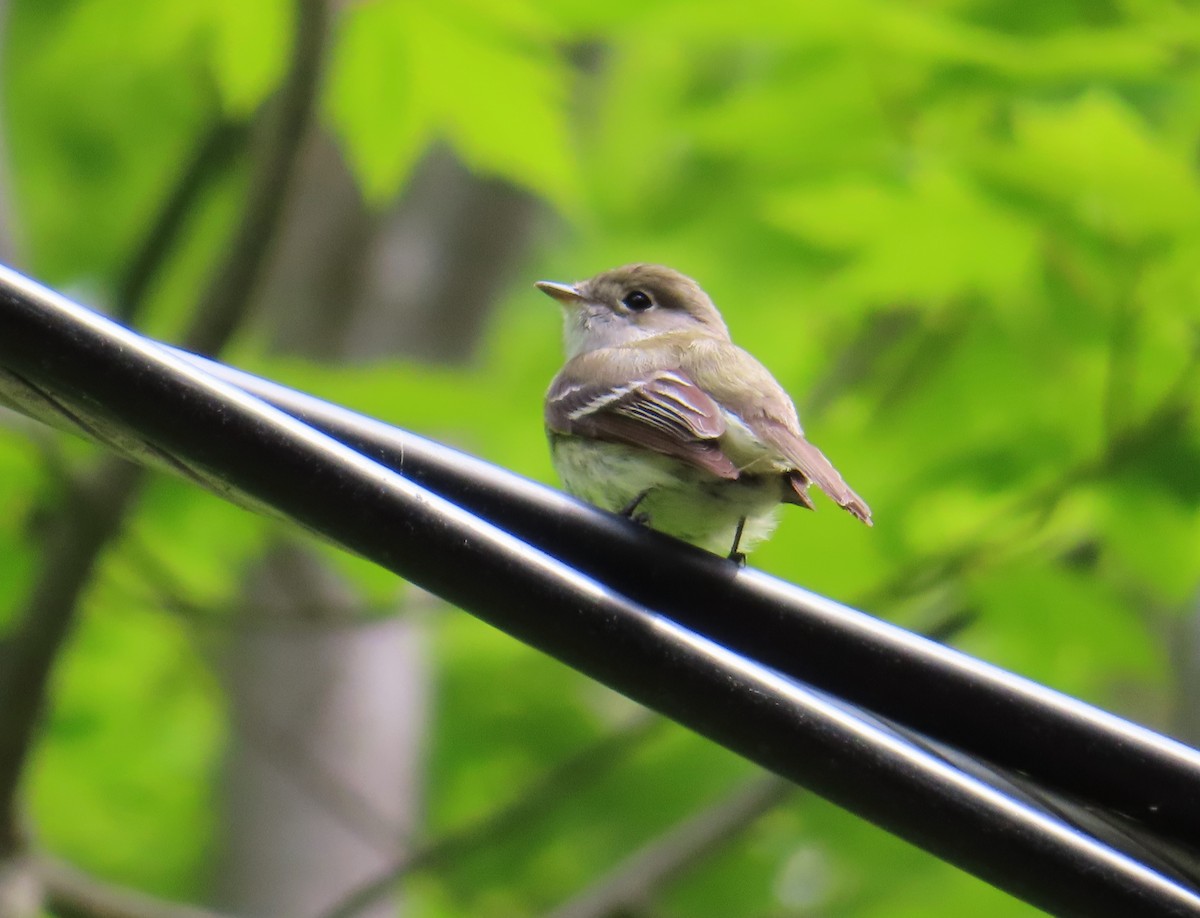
x=737, y=557
x=628, y=510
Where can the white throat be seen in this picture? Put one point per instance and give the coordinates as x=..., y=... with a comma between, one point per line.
x=593, y=327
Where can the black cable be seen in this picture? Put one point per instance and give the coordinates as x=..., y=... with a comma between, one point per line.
x=943, y=693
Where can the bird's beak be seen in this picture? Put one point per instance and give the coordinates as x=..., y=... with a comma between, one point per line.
x=564, y=293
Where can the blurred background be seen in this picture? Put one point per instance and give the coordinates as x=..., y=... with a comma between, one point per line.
x=965, y=234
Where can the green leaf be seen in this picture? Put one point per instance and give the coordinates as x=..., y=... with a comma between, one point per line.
x=131, y=750
x=1154, y=541
x=101, y=108
x=404, y=75
x=1098, y=159
x=170, y=546
x=21, y=482
x=936, y=238
x=374, y=97
x=248, y=49
x=1067, y=630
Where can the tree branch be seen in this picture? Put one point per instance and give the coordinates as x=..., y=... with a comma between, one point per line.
x=566, y=778
x=71, y=893
x=214, y=151
x=87, y=518
x=634, y=883
x=227, y=296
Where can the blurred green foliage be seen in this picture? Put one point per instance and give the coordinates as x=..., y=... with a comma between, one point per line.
x=964, y=233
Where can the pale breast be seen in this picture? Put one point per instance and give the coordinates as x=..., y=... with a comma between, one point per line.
x=609, y=475
x=679, y=500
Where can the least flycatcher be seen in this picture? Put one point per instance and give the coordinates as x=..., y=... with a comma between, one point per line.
x=658, y=415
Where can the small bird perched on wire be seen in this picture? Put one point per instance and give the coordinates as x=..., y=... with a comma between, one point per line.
x=658, y=415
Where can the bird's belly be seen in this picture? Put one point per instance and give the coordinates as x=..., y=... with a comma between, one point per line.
x=680, y=500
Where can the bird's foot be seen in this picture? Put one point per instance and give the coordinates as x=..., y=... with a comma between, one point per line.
x=628, y=510
x=738, y=557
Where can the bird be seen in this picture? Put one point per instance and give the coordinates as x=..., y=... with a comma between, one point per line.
x=657, y=415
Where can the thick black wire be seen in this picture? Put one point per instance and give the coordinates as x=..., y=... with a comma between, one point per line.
x=93, y=369
x=981, y=709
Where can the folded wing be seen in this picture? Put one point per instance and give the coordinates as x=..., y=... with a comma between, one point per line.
x=664, y=412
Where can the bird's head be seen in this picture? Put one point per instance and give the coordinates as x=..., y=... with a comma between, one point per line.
x=631, y=303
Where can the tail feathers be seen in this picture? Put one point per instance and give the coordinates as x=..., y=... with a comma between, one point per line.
x=856, y=505
x=797, y=491
x=813, y=467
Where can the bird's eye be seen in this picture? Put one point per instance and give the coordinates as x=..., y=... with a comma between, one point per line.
x=637, y=301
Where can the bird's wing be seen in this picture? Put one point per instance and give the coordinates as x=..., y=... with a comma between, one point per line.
x=814, y=467
x=664, y=411
x=727, y=372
